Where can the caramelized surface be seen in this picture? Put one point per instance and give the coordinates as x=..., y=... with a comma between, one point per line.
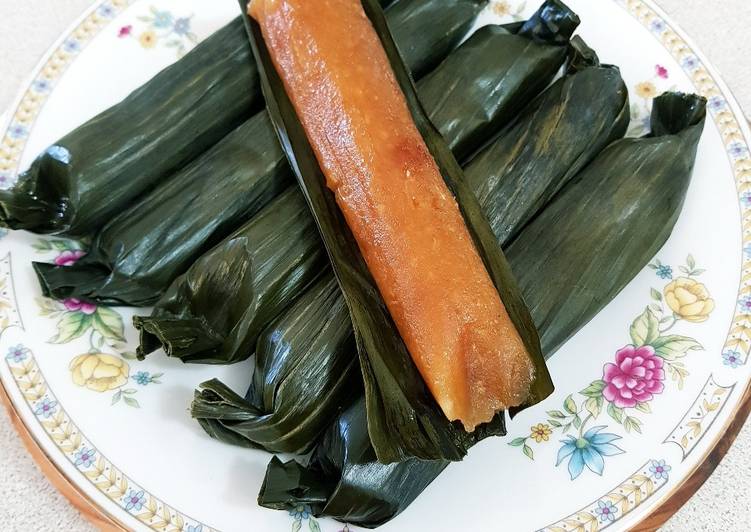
x=405, y=220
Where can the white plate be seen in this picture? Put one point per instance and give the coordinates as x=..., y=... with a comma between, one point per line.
x=152, y=466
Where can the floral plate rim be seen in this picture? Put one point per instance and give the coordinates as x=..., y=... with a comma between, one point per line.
x=666, y=503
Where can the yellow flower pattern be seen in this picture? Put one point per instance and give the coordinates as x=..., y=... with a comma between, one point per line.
x=541, y=432
x=99, y=372
x=646, y=89
x=147, y=39
x=689, y=299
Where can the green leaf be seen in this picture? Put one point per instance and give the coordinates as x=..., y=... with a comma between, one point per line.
x=577, y=422
x=131, y=402
x=314, y=526
x=297, y=525
x=672, y=347
x=644, y=407
x=697, y=271
x=594, y=389
x=517, y=442
x=615, y=412
x=570, y=405
x=63, y=245
x=130, y=391
x=129, y=355
x=684, y=270
x=656, y=295
x=71, y=326
x=109, y=324
x=116, y=397
x=631, y=423
x=528, y=451
x=554, y=423
x=594, y=406
x=556, y=414
x=690, y=261
x=655, y=307
x=156, y=376
x=645, y=328
x=42, y=245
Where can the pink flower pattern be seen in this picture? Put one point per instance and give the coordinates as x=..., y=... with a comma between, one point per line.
x=76, y=305
x=635, y=377
x=68, y=257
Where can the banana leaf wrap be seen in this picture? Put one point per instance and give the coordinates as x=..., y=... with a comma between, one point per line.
x=403, y=418
x=631, y=182
x=533, y=54
x=99, y=169
x=136, y=256
x=292, y=350
x=634, y=188
x=91, y=174
x=550, y=142
x=180, y=325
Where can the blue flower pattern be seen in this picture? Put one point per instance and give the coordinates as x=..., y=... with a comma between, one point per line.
x=134, y=500
x=664, y=272
x=732, y=358
x=84, y=457
x=162, y=19
x=17, y=354
x=744, y=304
x=106, y=11
x=142, y=377
x=46, y=408
x=301, y=512
x=193, y=528
x=606, y=511
x=72, y=46
x=659, y=469
x=18, y=131
x=182, y=26
x=588, y=450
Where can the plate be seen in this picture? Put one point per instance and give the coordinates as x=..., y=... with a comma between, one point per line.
x=126, y=451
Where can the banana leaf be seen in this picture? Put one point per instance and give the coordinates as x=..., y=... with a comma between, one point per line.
x=293, y=346
x=403, y=418
x=136, y=256
x=533, y=55
x=634, y=188
x=170, y=323
x=79, y=183
x=553, y=138
x=96, y=171
x=632, y=181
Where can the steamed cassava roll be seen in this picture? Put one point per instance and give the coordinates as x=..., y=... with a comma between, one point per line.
x=96, y=171
x=135, y=257
x=406, y=221
x=634, y=190
x=181, y=325
x=293, y=347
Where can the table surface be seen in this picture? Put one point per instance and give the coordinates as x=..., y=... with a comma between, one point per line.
x=29, y=502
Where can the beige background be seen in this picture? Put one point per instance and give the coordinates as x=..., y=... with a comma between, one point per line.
x=27, y=27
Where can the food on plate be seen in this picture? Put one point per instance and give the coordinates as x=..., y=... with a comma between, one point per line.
x=355, y=127
x=634, y=188
x=344, y=480
x=316, y=332
x=91, y=174
x=184, y=321
x=102, y=167
x=552, y=139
